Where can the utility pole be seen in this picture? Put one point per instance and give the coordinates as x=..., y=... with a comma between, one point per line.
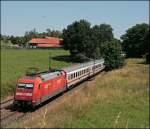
x=49, y=61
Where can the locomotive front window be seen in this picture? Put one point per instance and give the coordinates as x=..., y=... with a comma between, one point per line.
x=25, y=85
x=29, y=86
x=21, y=85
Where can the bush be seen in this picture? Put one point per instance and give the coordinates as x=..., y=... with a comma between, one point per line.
x=112, y=55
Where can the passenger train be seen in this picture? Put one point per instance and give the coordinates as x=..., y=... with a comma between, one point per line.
x=36, y=88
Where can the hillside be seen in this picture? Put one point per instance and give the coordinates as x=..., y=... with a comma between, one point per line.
x=119, y=98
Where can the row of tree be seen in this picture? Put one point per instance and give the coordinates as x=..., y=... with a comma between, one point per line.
x=85, y=42
x=93, y=42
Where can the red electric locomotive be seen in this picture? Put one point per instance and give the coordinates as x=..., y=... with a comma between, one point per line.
x=37, y=88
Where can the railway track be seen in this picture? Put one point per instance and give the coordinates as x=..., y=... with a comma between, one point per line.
x=6, y=103
x=9, y=114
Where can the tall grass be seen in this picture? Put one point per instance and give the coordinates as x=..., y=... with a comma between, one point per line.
x=119, y=99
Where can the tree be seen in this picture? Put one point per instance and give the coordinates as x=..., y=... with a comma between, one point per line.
x=112, y=55
x=80, y=38
x=147, y=47
x=13, y=40
x=133, y=40
x=4, y=38
x=54, y=33
x=99, y=35
x=77, y=37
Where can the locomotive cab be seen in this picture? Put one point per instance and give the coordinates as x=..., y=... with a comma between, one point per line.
x=24, y=92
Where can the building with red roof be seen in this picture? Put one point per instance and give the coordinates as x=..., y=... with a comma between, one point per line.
x=48, y=42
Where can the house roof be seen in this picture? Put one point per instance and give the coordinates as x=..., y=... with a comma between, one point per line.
x=47, y=40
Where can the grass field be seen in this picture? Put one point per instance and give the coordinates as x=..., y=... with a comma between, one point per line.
x=119, y=99
x=14, y=64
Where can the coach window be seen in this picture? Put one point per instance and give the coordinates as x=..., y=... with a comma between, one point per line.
x=71, y=76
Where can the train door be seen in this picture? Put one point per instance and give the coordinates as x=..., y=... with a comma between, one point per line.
x=38, y=93
x=50, y=87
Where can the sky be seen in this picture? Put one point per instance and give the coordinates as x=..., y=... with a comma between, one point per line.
x=17, y=17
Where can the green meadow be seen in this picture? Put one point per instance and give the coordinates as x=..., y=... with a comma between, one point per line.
x=15, y=63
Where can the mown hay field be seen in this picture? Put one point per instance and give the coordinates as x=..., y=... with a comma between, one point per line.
x=15, y=62
x=118, y=99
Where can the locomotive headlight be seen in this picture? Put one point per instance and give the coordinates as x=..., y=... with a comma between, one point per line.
x=23, y=94
x=28, y=94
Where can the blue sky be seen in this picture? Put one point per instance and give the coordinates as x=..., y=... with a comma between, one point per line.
x=18, y=17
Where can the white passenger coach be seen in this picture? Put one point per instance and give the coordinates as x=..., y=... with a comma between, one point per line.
x=79, y=72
